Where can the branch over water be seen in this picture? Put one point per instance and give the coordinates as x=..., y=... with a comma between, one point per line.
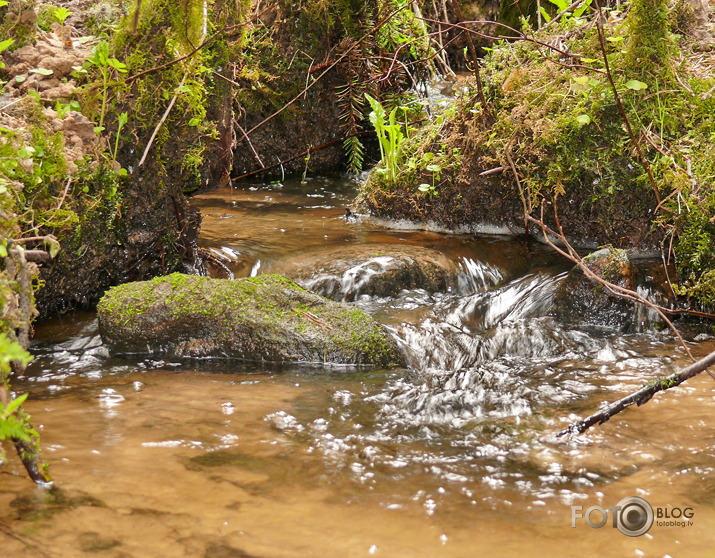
x=640, y=397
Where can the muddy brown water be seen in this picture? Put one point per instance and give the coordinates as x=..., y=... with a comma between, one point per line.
x=451, y=458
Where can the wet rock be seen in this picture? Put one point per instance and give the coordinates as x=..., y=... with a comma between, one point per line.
x=267, y=318
x=582, y=301
x=364, y=270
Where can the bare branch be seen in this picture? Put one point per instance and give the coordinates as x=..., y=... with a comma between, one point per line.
x=639, y=397
x=612, y=288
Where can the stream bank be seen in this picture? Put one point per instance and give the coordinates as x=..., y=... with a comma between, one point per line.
x=599, y=129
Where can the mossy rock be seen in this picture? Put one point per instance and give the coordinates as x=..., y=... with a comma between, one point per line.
x=267, y=318
x=580, y=300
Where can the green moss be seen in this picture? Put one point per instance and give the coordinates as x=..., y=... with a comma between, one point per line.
x=261, y=317
x=560, y=129
x=649, y=46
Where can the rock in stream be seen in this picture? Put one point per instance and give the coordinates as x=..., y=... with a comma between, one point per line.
x=266, y=318
x=350, y=272
x=582, y=301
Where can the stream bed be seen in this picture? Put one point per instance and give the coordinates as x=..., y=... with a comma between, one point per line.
x=452, y=457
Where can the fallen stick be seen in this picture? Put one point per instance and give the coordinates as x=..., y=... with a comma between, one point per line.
x=315, y=320
x=163, y=119
x=640, y=397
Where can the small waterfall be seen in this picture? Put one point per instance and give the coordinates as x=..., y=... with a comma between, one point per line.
x=350, y=283
x=466, y=331
x=645, y=318
x=483, y=355
x=475, y=276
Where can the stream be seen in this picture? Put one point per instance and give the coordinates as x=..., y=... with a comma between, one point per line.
x=452, y=457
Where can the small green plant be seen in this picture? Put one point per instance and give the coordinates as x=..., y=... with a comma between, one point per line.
x=123, y=119
x=13, y=423
x=63, y=108
x=562, y=5
x=107, y=66
x=389, y=135
x=60, y=15
x=428, y=189
x=436, y=170
x=49, y=16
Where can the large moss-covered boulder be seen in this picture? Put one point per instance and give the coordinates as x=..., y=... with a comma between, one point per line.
x=266, y=318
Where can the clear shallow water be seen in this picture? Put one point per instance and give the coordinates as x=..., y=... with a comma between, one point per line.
x=452, y=457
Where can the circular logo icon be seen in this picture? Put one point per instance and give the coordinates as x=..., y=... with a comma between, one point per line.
x=635, y=517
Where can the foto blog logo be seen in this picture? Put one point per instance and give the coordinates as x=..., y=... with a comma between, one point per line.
x=633, y=516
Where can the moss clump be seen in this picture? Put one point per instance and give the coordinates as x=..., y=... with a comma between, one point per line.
x=650, y=43
x=265, y=318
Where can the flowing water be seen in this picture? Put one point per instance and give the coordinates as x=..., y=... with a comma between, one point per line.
x=454, y=456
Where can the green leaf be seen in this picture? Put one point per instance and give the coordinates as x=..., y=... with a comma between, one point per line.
x=184, y=89
x=99, y=129
x=614, y=39
x=100, y=54
x=424, y=187
x=26, y=152
x=61, y=14
x=7, y=42
x=581, y=84
x=636, y=85
x=3, y=251
x=545, y=14
x=194, y=122
x=561, y=5
x=20, y=79
x=427, y=157
x=12, y=428
x=123, y=119
x=589, y=60
x=14, y=405
x=578, y=12
x=54, y=246
x=117, y=65
x=434, y=168
x=583, y=119
x=11, y=351
x=42, y=71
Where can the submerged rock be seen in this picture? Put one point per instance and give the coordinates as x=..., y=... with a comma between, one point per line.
x=580, y=300
x=266, y=318
x=365, y=270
